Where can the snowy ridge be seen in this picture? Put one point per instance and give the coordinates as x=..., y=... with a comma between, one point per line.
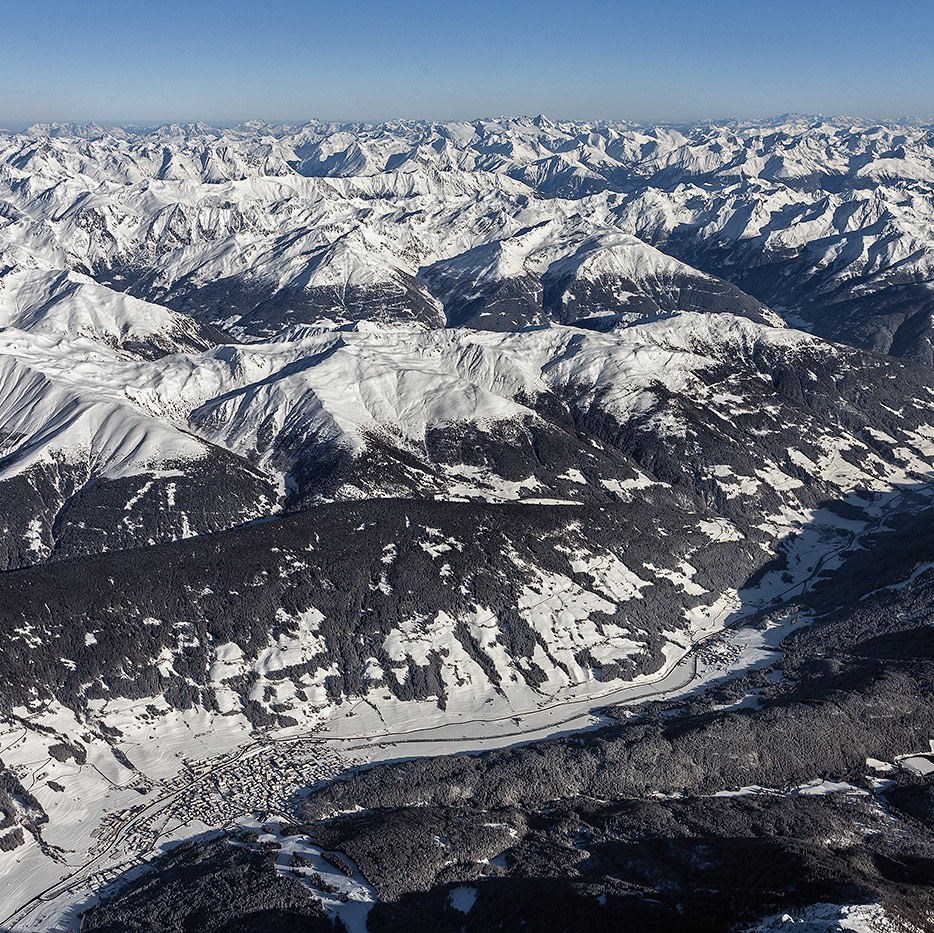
x=56, y=304
x=825, y=221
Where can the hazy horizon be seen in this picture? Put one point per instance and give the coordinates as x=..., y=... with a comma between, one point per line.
x=305, y=121
x=285, y=62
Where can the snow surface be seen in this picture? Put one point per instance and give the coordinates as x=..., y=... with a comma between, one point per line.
x=829, y=918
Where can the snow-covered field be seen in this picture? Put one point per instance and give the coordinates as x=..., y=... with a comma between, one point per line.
x=830, y=918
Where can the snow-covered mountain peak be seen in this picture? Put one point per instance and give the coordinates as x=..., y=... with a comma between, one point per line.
x=334, y=310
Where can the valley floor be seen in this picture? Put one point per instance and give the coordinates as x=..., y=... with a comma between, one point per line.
x=200, y=773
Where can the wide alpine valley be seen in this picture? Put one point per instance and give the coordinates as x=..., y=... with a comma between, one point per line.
x=514, y=524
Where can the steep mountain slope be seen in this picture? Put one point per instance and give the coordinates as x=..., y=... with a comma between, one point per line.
x=800, y=784
x=55, y=305
x=82, y=467
x=747, y=416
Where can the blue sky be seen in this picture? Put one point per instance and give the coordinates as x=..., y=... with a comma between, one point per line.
x=363, y=60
